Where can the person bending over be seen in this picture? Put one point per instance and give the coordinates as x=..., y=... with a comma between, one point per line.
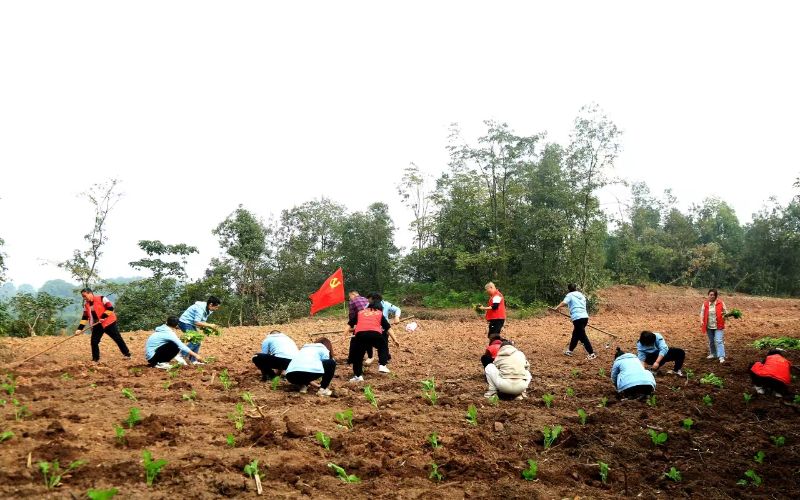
x=772, y=374
x=508, y=375
x=313, y=361
x=495, y=341
x=368, y=332
x=630, y=378
x=653, y=350
x=579, y=316
x=163, y=346
x=277, y=351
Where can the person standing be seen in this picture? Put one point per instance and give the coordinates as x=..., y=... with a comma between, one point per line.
x=196, y=316
x=653, y=350
x=98, y=313
x=576, y=302
x=495, y=309
x=367, y=329
x=164, y=345
x=712, y=320
x=388, y=308
x=277, y=351
x=356, y=303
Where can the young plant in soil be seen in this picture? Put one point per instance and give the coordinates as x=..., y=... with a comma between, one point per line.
x=6, y=435
x=20, y=410
x=251, y=469
x=230, y=441
x=52, y=472
x=602, y=372
x=433, y=440
x=548, y=399
x=582, y=416
x=570, y=392
x=603, y=402
x=189, y=396
x=102, y=494
x=343, y=475
x=689, y=373
x=658, y=438
x=651, y=401
x=119, y=434
x=370, y=396
x=530, y=473
x=237, y=417
x=128, y=394
x=151, y=467
x=707, y=400
x=248, y=398
x=755, y=479
x=429, y=390
x=778, y=440
x=435, y=475
x=796, y=399
x=674, y=474
x=494, y=400
x=9, y=384
x=687, y=423
x=344, y=418
x=66, y=377
x=759, y=457
x=225, y=379
x=734, y=313
x=603, y=472
x=134, y=417
x=711, y=379
x=747, y=398
x=472, y=415
x=174, y=371
x=575, y=373
x=324, y=440
x=551, y=435
x=276, y=381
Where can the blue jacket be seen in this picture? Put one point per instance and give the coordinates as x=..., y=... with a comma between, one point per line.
x=577, y=305
x=660, y=346
x=163, y=335
x=388, y=307
x=309, y=359
x=279, y=345
x=197, y=312
x=627, y=371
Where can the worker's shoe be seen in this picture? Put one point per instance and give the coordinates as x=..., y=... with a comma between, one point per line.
x=303, y=389
x=324, y=392
x=721, y=360
x=359, y=378
x=383, y=369
x=167, y=366
x=489, y=394
x=591, y=356
x=180, y=360
x=759, y=389
x=710, y=356
x=676, y=372
x=567, y=352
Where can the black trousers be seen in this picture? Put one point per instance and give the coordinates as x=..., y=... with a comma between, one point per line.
x=486, y=360
x=768, y=383
x=673, y=354
x=112, y=331
x=388, y=354
x=495, y=325
x=359, y=345
x=305, y=378
x=637, y=391
x=579, y=335
x=268, y=363
x=164, y=354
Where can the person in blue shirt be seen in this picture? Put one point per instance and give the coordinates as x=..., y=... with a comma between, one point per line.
x=630, y=378
x=388, y=308
x=653, y=350
x=195, y=317
x=313, y=361
x=576, y=302
x=277, y=351
x=164, y=345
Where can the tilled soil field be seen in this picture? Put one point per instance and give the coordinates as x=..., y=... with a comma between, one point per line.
x=74, y=404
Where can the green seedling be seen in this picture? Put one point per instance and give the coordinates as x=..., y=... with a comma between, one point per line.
x=324, y=440
x=251, y=469
x=343, y=475
x=658, y=438
x=747, y=398
x=9, y=384
x=674, y=474
x=778, y=440
x=687, y=423
x=166, y=385
x=575, y=373
x=675, y=389
x=602, y=372
x=276, y=380
x=20, y=410
x=119, y=434
x=248, y=398
x=237, y=417
x=755, y=479
x=472, y=415
x=494, y=400
x=786, y=343
x=174, y=371
x=134, y=417
x=433, y=440
x=102, y=494
x=530, y=473
x=66, y=376
x=603, y=472
x=707, y=400
x=370, y=396
x=230, y=441
x=193, y=337
x=151, y=467
x=734, y=313
x=570, y=392
x=93, y=385
x=548, y=399
x=796, y=399
x=689, y=373
x=135, y=371
x=551, y=435
x=435, y=475
x=128, y=394
x=429, y=390
x=6, y=435
x=210, y=360
x=344, y=418
x=190, y=396
x=603, y=402
x=225, y=379
x=582, y=416
x=2, y=402
x=211, y=331
x=52, y=472
x=712, y=379
x=651, y=401
x=759, y=457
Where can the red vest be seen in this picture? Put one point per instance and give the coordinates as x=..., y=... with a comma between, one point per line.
x=494, y=346
x=776, y=367
x=99, y=308
x=500, y=312
x=369, y=320
x=720, y=317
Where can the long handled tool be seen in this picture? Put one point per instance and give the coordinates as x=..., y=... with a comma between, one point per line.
x=48, y=349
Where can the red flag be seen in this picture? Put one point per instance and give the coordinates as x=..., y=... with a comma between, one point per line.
x=329, y=294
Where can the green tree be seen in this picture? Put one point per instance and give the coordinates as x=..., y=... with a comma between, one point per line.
x=367, y=250
x=36, y=314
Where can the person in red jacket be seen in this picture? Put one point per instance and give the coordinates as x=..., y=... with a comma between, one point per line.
x=495, y=310
x=712, y=321
x=495, y=342
x=774, y=374
x=98, y=313
x=368, y=328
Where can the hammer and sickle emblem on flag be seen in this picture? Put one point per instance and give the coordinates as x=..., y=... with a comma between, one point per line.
x=335, y=282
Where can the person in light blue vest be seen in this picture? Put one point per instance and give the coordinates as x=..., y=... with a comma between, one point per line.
x=277, y=351
x=630, y=378
x=195, y=317
x=164, y=346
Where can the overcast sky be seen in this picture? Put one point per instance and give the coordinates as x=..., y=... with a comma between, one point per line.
x=200, y=106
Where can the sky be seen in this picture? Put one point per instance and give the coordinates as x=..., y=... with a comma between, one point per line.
x=200, y=106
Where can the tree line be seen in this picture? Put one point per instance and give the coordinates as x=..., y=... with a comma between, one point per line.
x=518, y=210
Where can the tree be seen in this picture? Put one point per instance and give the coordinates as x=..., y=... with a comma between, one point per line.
x=37, y=314
x=160, y=268
x=367, y=249
x=415, y=191
x=83, y=263
x=3, y=268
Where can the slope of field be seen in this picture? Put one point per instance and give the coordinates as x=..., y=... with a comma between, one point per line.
x=74, y=405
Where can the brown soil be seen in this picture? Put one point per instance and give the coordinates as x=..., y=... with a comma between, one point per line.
x=72, y=417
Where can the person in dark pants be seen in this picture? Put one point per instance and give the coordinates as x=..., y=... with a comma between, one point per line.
x=164, y=345
x=313, y=361
x=653, y=350
x=368, y=328
x=495, y=309
x=630, y=378
x=98, y=312
x=357, y=303
x=773, y=374
x=576, y=302
x=277, y=351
